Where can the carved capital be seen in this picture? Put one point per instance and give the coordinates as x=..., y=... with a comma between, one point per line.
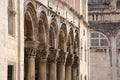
x=76, y=61
x=52, y=57
x=30, y=52
x=11, y=12
x=62, y=57
x=42, y=54
x=69, y=60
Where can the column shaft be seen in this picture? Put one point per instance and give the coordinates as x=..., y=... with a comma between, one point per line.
x=31, y=68
x=68, y=73
x=61, y=72
x=53, y=71
x=42, y=71
x=114, y=58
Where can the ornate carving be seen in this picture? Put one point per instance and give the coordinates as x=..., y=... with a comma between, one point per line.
x=62, y=57
x=69, y=59
x=76, y=61
x=30, y=52
x=11, y=12
x=52, y=57
x=42, y=54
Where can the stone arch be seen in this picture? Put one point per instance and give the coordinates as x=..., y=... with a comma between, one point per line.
x=43, y=18
x=76, y=61
x=76, y=43
x=53, y=32
x=30, y=20
x=72, y=35
x=64, y=28
x=52, y=37
x=69, y=44
x=70, y=41
x=41, y=32
x=62, y=37
x=42, y=28
x=55, y=25
x=61, y=44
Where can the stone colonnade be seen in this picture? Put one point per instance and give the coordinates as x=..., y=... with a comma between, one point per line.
x=51, y=48
x=62, y=65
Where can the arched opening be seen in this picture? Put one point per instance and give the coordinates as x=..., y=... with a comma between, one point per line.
x=29, y=24
x=42, y=52
x=75, y=67
x=53, y=30
x=69, y=44
x=51, y=38
x=61, y=44
x=41, y=33
x=64, y=28
x=52, y=57
x=69, y=59
x=76, y=44
x=28, y=27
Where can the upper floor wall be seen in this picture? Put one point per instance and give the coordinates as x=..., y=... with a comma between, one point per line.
x=67, y=8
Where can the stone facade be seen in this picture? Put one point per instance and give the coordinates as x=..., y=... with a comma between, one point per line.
x=44, y=40
x=104, y=24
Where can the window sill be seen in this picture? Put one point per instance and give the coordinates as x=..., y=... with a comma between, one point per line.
x=11, y=36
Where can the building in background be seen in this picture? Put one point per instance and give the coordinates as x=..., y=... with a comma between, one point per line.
x=104, y=20
x=44, y=40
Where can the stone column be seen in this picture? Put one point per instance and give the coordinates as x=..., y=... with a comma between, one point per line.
x=42, y=58
x=75, y=68
x=61, y=65
x=52, y=59
x=30, y=55
x=114, y=58
x=68, y=67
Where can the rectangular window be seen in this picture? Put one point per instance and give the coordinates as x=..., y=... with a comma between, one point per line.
x=10, y=72
x=11, y=17
x=10, y=25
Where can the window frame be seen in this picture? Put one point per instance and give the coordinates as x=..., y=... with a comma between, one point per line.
x=99, y=38
x=11, y=16
x=13, y=70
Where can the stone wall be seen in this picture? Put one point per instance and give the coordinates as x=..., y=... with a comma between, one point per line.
x=100, y=65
